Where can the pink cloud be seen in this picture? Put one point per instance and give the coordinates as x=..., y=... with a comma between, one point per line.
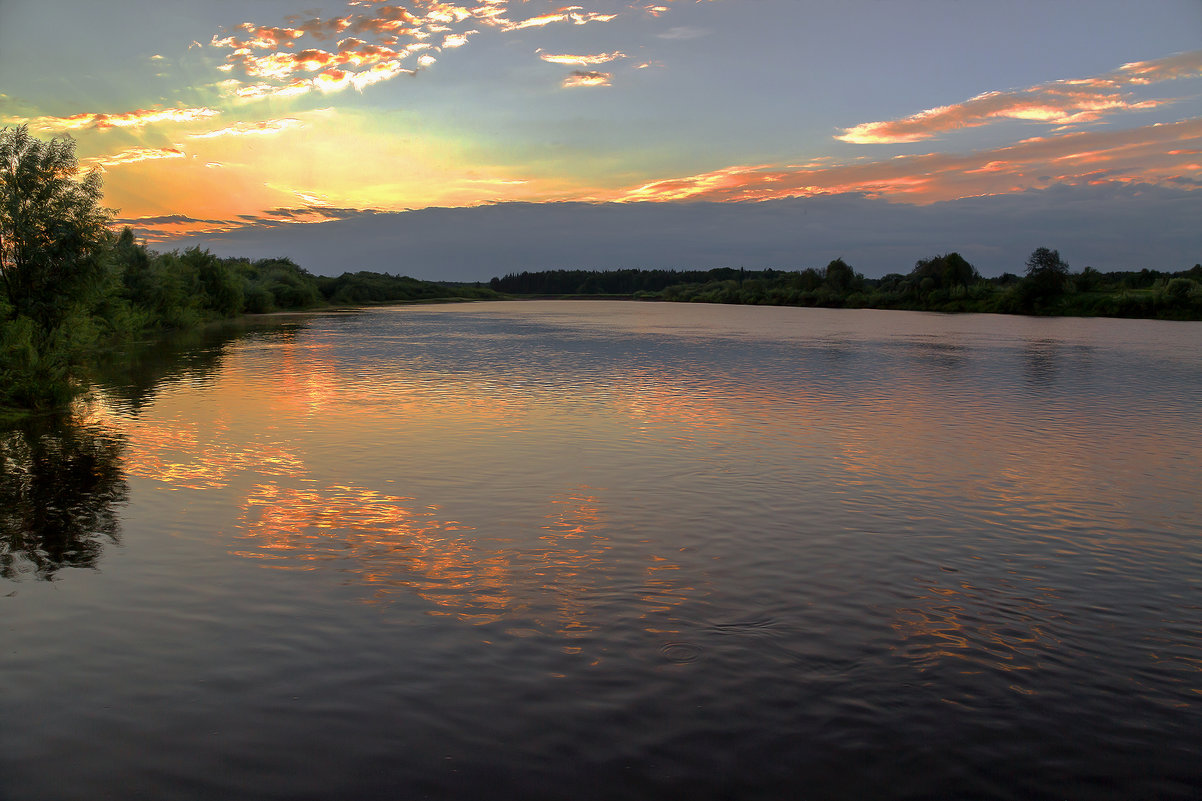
x=124, y=119
x=1060, y=103
x=1151, y=154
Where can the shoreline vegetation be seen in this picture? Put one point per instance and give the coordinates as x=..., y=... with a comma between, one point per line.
x=73, y=292
x=946, y=283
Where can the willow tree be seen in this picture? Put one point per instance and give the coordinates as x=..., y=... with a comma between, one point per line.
x=53, y=230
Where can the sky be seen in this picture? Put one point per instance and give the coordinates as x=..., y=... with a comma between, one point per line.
x=460, y=142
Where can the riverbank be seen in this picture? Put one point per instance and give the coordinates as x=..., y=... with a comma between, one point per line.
x=945, y=284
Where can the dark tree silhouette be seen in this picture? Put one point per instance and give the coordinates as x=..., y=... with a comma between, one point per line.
x=1046, y=272
x=840, y=277
x=53, y=230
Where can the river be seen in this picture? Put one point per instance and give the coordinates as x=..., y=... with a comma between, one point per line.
x=600, y=550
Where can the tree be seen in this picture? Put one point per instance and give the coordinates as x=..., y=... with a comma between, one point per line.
x=957, y=271
x=840, y=277
x=53, y=231
x=1047, y=272
x=945, y=272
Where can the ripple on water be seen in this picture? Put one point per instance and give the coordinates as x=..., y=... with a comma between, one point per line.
x=681, y=652
x=634, y=551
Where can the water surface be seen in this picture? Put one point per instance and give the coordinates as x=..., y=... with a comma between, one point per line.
x=614, y=550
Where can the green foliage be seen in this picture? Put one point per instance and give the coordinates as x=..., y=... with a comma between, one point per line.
x=222, y=289
x=289, y=286
x=54, y=243
x=1180, y=288
x=34, y=374
x=947, y=272
x=52, y=228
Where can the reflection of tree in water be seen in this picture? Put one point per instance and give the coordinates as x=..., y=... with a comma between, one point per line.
x=59, y=485
x=1040, y=359
x=136, y=374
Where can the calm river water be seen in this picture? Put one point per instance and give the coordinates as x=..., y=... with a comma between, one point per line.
x=605, y=550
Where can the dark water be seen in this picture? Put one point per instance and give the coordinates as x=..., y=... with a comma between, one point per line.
x=614, y=550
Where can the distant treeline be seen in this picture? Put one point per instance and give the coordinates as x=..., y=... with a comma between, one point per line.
x=178, y=290
x=946, y=283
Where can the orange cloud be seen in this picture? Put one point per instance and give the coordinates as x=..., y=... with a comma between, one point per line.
x=336, y=80
x=1181, y=65
x=264, y=37
x=582, y=78
x=398, y=34
x=1151, y=154
x=1059, y=103
x=582, y=61
x=133, y=155
x=453, y=40
x=125, y=119
x=285, y=65
x=573, y=14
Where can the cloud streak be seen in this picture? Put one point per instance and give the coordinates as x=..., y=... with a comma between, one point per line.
x=1165, y=154
x=126, y=119
x=262, y=128
x=1063, y=103
x=160, y=228
x=582, y=60
x=580, y=78
x=134, y=155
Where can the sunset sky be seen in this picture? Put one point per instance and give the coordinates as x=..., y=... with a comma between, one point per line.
x=244, y=123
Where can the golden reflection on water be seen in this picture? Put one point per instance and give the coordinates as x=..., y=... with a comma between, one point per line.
x=979, y=624
x=393, y=545
x=910, y=435
x=656, y=399
x=387, y=543
x=181, y=455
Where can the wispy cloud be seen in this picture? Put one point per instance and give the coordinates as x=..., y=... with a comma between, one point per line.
x=133, y=155
x=1062, y=103
x=580, y=78
x=683, y=32
x=1165, y=154
x=165, y=227
x=124, y=119
x=262, y=128
x=581, y=60
x=575, y=15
